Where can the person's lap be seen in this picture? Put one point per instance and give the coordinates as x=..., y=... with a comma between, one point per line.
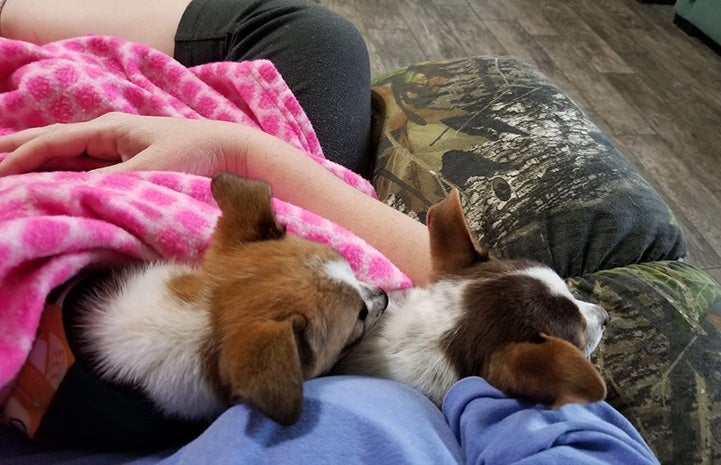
x=345, y=419
x=323, y=58
x=321, y=55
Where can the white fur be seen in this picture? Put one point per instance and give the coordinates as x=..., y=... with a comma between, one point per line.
x=596, y=319
x=149, y=337
x=406, y=345
x=550, y=278
x=595, y=316
x=144, y=335
x=340, y=270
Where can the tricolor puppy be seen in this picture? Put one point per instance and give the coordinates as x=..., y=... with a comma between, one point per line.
x=263, y=312
x=513, y=322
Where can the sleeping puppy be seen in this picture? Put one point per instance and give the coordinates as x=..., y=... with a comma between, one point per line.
x=263, y=312
x=513, y=322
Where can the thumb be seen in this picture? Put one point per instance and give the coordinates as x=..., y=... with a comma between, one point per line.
x=137, y=163
x=118, y=168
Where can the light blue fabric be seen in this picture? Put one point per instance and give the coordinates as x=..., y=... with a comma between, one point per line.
x=346, y=420
x=493, y=429
x=353, y=420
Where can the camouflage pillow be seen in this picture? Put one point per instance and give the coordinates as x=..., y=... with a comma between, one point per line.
x=538, y=179
x=661, y=355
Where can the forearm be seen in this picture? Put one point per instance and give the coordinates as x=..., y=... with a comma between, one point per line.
x=298, y=179
x=150, y=22
x=205, y=147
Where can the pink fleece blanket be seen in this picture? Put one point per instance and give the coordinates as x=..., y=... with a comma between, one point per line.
x=52, y=225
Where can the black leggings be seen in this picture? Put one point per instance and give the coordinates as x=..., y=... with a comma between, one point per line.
x=321, y=55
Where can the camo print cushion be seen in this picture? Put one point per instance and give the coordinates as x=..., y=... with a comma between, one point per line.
x=538, y=179
x=661, y=356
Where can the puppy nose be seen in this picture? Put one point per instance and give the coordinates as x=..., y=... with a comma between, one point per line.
x=376, y=300
x=381, y=298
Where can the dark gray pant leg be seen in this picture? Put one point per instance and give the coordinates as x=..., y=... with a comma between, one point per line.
x=321, y=55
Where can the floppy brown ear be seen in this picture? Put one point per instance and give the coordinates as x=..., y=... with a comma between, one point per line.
x=246, y=211
x=453, y=247
x=551, y=371
x=262, y=368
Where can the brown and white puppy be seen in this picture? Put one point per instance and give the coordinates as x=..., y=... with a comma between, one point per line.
x=263, y=312
x=513, y=322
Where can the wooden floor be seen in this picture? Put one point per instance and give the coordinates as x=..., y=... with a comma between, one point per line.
x=655, y=91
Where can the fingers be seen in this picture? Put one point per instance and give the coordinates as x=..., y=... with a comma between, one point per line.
x=33, y=148
x=75, y=164
x=28, y=152
x=10, y=142
x=133, y=164
x=12, y=164
x=141, y=143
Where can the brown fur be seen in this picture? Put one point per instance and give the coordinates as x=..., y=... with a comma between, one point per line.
x=453, y=248
x=274, y=312
x=515, y=334
x=551, y=371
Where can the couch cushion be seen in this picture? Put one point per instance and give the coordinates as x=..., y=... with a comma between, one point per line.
x=661, y=355
x=538, y=179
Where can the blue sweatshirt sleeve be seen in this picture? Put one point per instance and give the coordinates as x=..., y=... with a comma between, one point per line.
x=494, y=429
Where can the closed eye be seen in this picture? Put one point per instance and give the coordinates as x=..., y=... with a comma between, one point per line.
x=363, y=314
x=355, y=339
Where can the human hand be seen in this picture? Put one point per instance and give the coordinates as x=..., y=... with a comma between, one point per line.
x=122, y=142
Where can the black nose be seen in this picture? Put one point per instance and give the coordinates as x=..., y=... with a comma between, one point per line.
x=375, y=303
x=383, y=296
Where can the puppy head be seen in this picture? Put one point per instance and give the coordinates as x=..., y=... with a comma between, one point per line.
x=520, y=327
x=283, y=308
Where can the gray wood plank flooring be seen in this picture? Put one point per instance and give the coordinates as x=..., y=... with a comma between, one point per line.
x=655, y=91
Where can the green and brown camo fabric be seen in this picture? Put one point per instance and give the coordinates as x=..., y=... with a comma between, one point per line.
x=539, y=180
x=661, y=356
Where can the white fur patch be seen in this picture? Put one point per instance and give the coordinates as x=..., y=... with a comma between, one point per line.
x=554, y=282
x=340, y=270
x=594, y=315
x=406, y=345
x=144, y=335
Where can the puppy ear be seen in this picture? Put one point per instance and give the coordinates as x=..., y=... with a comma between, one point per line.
x=247, y=214
x=262, y=368
x=453, y=247
x=551, y=371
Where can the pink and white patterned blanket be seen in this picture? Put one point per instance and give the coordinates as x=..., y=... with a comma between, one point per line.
x=54, y=224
